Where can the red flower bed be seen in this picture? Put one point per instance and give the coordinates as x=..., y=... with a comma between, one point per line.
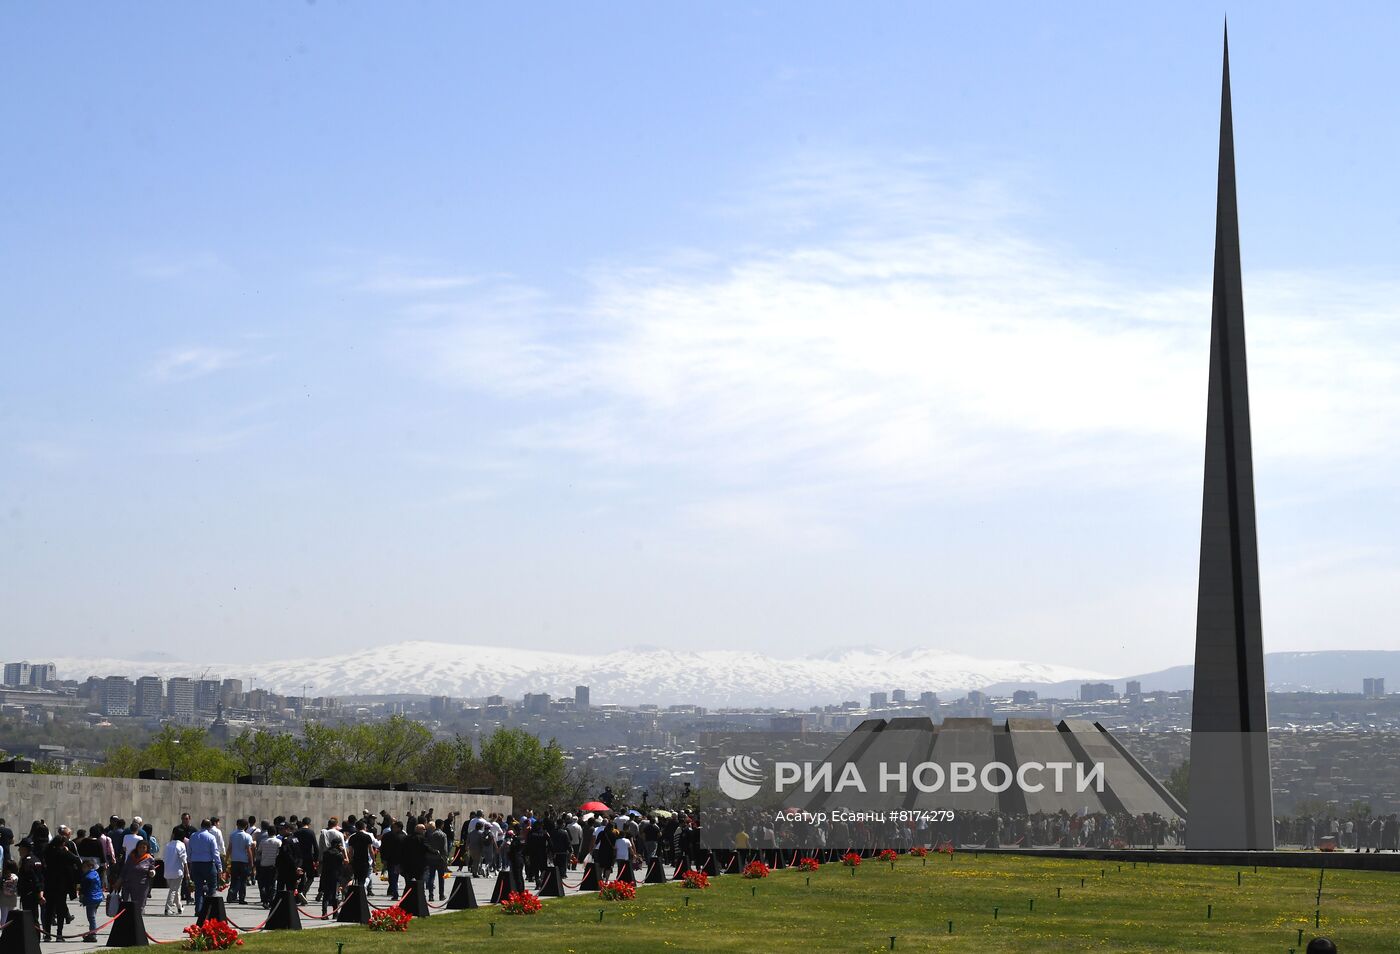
x=808, y=864
x=695, y=879
x=390, y=919
x=889, y=854
x=756, y=869
x=521, y=902
x=919, y=851
x=946, y=848
x=212, y=935
x=617, y=891
x=850, y=859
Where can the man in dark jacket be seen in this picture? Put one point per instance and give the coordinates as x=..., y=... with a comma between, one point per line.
x=413, y=857
x=559, y=848
x=390, y=849
x=62, y=867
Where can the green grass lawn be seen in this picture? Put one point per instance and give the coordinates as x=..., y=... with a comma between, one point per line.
x=1156, y=908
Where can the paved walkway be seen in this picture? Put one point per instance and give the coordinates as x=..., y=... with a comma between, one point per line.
x=248, y=916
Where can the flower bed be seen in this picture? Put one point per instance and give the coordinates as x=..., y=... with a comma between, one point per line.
x=808, y=864
x=212, y=935
x=617, y=891
x=521, y=902
x=919, y=851
x=695, y=879
x=756, y=869
x=850, y=859
x=390, y=919
x=889, y=854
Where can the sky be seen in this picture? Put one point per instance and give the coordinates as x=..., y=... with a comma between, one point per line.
x=777, y=326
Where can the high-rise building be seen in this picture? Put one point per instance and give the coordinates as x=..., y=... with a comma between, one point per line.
x=231, y=693
x=1024, y=697
x=116, y=696
x=1373, y=688
x=1097, y=692
x=899, y=697
x=41, y=674
x=536, y=703
x=495, y=700
x=1230, y=793
x=206, y=695
x=929, y=700
x=148, y=700
x=581, y=698
x=1134, y=688
x=879, y=700
x=17, y=673
x=440, y=706
x=179, y=698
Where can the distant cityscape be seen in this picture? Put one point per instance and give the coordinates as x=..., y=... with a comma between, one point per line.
x=1329, y=747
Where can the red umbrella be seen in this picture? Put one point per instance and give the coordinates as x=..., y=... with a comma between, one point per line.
x=594, y=807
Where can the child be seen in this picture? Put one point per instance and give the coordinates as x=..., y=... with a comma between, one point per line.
x=9, y=890
x=90, y=891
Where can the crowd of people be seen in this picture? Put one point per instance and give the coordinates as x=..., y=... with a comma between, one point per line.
x=105, y=864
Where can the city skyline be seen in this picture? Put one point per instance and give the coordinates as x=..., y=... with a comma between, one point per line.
x=892, y=332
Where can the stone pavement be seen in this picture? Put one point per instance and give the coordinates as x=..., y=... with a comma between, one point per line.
x=170, y=930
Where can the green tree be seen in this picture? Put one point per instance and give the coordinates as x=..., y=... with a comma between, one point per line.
x=531, y=771
x=1178, y=781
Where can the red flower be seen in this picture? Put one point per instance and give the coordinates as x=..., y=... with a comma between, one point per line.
x=850, y=859
x=212, y=935
x=756, y=869
x=808, y=864
x=617, y=891
x=919, y=851
x=521, y=902
x=390, y=919
x=695, y=879
x=889, y=854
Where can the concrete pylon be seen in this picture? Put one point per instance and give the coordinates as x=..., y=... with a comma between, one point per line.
x=1230, y=797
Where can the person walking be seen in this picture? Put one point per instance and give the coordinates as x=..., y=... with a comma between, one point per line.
x=206, y=864
x=268, y=849
x=91, y=895
x=175, y=863
x=240, y=862
x=137, y=872
x=62, y=869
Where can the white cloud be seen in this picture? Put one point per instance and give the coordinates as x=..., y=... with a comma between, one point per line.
x=183, y=364
x=929, y=347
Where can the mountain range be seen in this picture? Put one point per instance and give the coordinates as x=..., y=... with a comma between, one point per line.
x=714, y=679
x=627, y=677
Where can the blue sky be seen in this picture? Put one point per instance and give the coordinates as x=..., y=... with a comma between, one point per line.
x=776, y=326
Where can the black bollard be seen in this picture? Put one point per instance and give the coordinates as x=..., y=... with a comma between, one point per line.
x=213, y=910
x=656, y=873
x=681, y=869
x=590, y=879
x=624, y=871
x=505, y=885
x=413, y=900
x=129, y=929
x=552, y=886
x=463, y=896
x=21, y=934
x=354, y=909
x=284, y=915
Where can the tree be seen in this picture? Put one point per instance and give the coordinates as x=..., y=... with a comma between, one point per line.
x=1178, y=781
x=518, y=763
x=270, y=755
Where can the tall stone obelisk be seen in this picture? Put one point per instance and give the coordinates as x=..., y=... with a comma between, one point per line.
x=1230, y=803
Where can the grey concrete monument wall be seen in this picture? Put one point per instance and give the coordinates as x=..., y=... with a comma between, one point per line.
x=1230, y=797
x=83, y=801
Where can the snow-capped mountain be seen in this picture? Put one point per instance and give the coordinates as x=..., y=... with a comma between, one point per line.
x=627, y=677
